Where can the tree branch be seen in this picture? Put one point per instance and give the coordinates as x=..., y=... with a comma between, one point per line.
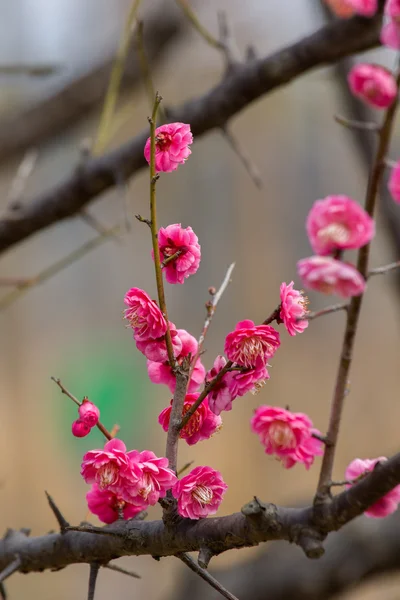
x=239, y=88
x=256, y=523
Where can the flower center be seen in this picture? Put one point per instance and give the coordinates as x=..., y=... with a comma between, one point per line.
x=370, y=89
x=131, y=314
x=251, y=349
x=163, y=141
x=193, y=425
x=147, y=486
x=335, y=232
x=202, y=494
x=107, y=475
x=281, y=435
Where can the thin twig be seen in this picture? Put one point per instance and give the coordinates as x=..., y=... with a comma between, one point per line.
x=115, y=81
x=171, y=258
x=154, y=230
x=64, y=390
x=325, y=311
x=39, y=70
x=274, y=316
x=61, y=520
x=56, y=267
x=351, y=124
x=206, y=35
x=121, y=570
x=189, y=562
x=385, y=269
x=10, y=568
x=3, y=593
x=94, y=571
x=245, y=159
x=227, y=43
x=96, y=225
x=145, y=69
x=185, y=466
x=354, y=310
x=13, y=282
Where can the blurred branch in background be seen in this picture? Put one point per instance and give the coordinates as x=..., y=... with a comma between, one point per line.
x=39, y=70
x=363, y=550
x=237, y=90
x=35, y=124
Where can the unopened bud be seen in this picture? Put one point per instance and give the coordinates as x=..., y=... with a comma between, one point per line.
x=89, y=413
x=80, y=429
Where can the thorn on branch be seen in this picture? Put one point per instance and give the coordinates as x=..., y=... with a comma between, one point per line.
x=94, y=571
x=63, y=523
x=143, y=220
x=11, y=568
x=246, y=161
x=119, y=569
x=189, y=562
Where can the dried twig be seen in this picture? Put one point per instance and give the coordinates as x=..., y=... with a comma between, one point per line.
x=326, y=311
x=119, y=569
x=250, y=167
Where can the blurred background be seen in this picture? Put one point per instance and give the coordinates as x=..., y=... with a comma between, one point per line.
x=71, y=327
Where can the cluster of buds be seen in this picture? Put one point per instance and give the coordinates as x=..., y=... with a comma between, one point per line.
x=89, y=416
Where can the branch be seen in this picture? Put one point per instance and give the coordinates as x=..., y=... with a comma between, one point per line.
x=256, y=523
x=241, y=87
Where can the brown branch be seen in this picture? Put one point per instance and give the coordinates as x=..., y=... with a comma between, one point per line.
x=385, y=269
x=174, y=426
x=94, y=571
x=22, y=130
x=241, y=87
x=354, y=310
x=326, y=311
x=256, y=523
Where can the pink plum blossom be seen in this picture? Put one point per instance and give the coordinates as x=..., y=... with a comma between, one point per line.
x=338, y=223
x=250, y=380
x=287, y=435
x=89, y=413
x=293, y=308
x=367, y=8
x=155, y=479
x=174, y=239
x=220, y=397
x=199, y=493
x=111, y=469
x=394, y=182
x=329, y=276
x=172, y=146
x=144, y=315
x=106, y=505
x=373, y=84
x=386, y=505
x=156, y=350
x=161, y=372
x=80, y=429
x=201, y=425
x=250, y=342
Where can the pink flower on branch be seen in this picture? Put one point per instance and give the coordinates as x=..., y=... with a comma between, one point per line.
x=111, y=469
x=330, y=276
x=201, y=425
x=373, y=84
x=287, y=435
x=249, y=380
x=89, y=413
x=107, y=505
x=346, y=8
x=392, y=10
x=156, y=350
x=161, y=372
x=144, y=315
x=249, y=343
x=172, y=146
x=155, y=479
x=176, y=240
x=394, y=182
x=221, y=396
x=199, y=493
x=390, y=35
x=386, y=505
x=338, y=223
x=293, y=308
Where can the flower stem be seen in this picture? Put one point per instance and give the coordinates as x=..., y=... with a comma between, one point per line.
x=354, y=309
x=153, y=227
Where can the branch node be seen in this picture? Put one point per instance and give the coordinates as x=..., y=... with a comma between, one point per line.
x=205, y=555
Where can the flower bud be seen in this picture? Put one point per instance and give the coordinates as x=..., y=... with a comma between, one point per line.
x=80, y=429
x=89, y=413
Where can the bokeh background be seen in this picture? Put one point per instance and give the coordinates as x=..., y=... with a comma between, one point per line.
x=71, y=326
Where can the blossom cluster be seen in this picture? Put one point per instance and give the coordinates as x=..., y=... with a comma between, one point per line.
x=125, y=483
